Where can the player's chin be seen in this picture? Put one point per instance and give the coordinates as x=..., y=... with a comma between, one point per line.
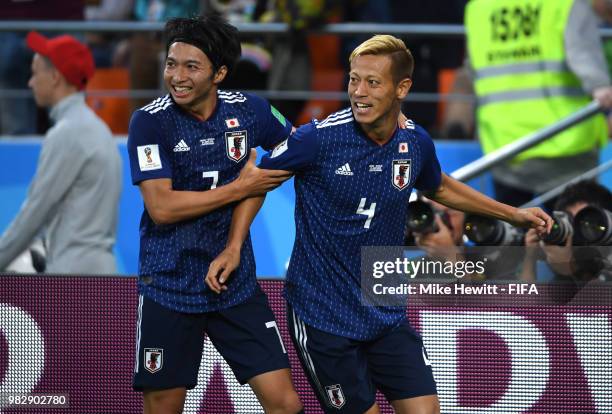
x=363, y=118
x=181, y=98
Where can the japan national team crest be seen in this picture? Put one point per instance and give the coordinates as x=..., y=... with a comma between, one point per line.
x=153, y=359
x=401, y=174
x=335, y=395
x=236, y=145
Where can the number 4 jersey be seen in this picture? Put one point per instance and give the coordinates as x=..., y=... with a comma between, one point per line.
x=350, y=192
x=167, y=142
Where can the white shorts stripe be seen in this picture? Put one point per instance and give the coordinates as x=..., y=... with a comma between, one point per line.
x=137, y=364
x=299, y=329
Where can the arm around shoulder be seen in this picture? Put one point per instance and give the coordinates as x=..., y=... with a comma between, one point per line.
x=166, y=205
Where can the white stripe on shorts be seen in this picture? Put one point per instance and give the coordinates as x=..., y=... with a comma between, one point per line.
x=299, y=328
x=137, y=363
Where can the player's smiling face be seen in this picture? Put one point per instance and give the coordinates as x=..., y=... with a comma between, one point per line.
x=375, y=97
x=189, y=76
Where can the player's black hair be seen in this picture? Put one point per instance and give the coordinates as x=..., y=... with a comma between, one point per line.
x=587, y=191
x=210, y=33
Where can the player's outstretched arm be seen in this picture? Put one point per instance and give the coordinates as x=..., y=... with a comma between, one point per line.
x=228, y=260
x=455, y=194
x=166, y=205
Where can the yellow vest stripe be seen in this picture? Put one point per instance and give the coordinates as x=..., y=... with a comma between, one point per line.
x=518, y=95
x=516, y=68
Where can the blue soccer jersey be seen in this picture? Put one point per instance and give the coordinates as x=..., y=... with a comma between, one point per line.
x=350, y=192
x=167, y=142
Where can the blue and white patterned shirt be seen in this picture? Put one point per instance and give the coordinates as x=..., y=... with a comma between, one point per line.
x=167, y=142
x=350, y=192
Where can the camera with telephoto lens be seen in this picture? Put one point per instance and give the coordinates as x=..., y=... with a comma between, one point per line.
x=422, y=217
x=486, y=231
x=593, y=226
x=561, y=229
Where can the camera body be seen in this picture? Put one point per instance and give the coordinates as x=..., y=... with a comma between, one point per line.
x=421, y=218
x=593, y=227
x=592, y=233
x=562, y=229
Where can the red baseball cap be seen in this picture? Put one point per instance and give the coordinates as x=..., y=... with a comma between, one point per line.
x=71, y=58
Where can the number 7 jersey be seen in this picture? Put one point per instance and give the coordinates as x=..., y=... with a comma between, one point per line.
x=350, y=192
x=166, y=142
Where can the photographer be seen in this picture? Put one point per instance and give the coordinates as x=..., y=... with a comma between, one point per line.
x=439, y=232
x=444, y=237
x=562, y=258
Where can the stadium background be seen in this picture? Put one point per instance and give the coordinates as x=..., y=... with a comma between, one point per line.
x=273, y=229
x=75, y=334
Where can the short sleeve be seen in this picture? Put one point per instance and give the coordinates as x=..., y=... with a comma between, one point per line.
x=296, y=153
x=273, y=127
x=430, y=174
x=149, y=158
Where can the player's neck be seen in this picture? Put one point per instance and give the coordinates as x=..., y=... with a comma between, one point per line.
x=381, y=131
x=203, y=108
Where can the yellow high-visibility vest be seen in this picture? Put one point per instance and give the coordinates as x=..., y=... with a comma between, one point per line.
x=522, y=80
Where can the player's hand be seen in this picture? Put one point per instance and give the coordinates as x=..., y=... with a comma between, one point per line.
x=254, y=181
x=533, y=217
x=221, y=269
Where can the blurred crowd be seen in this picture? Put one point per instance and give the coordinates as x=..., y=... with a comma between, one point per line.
x=306, y=60
x=298, y=60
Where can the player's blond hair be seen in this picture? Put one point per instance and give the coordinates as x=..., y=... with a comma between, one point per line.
x=402, y=61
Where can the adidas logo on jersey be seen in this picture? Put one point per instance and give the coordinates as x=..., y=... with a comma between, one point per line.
x=181, y=147
x=344, y=170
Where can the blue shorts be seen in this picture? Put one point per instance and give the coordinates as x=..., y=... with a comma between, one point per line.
x=345, y=373
x=169, y=344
